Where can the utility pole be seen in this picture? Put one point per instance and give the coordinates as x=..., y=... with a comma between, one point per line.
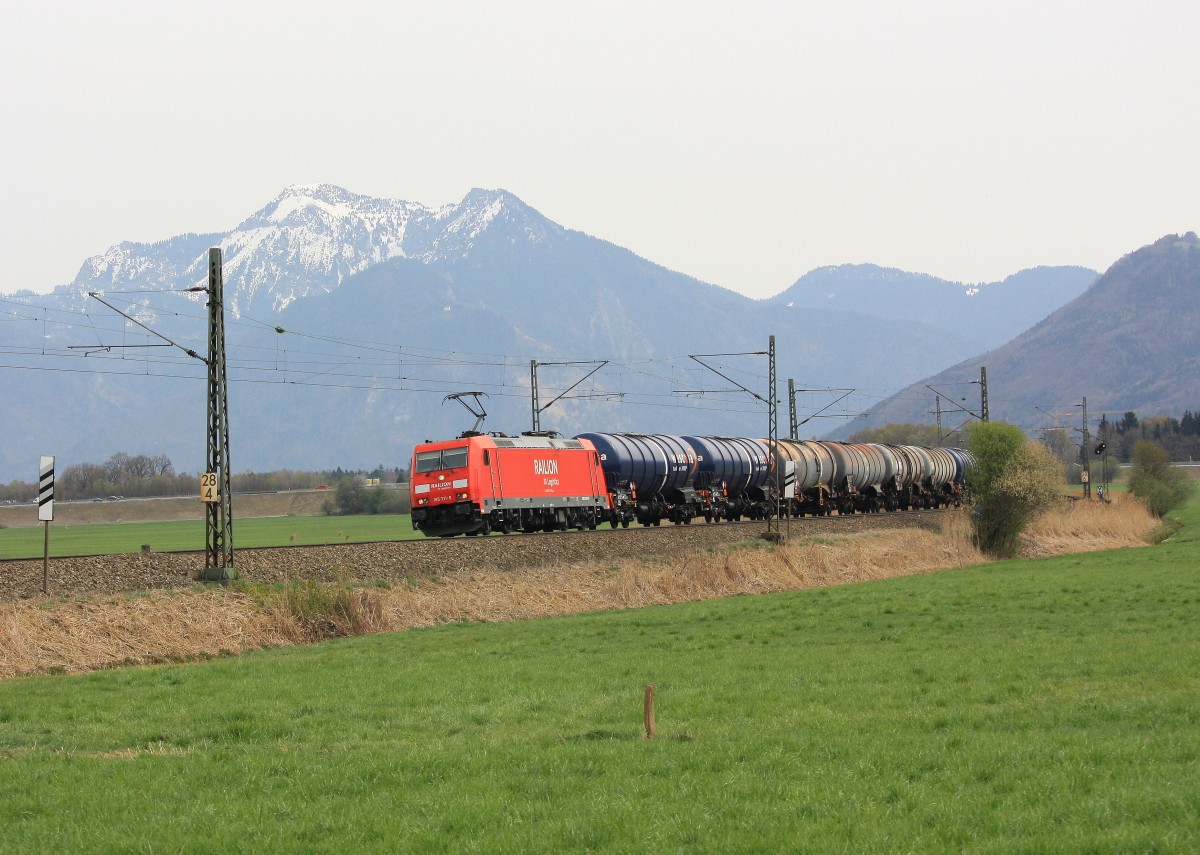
x=218, y=533
x=1086, y=457
x=215, y=489
x=982, y=415
x=794, y=429
x=533, y=391
x=983, y=398
x=533, y=386
x=773, y=415
x=772, y=402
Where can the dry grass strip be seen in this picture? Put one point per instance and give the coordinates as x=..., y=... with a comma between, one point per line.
x=89, y=634
x=163, y=626
x=1082, y=526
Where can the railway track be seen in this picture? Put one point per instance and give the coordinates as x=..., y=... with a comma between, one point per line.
x=389, y=562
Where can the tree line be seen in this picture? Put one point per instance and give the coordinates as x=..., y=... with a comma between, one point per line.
x=1178, y=437
x=141, y=475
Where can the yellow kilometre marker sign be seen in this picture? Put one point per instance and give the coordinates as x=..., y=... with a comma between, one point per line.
x=208, y=487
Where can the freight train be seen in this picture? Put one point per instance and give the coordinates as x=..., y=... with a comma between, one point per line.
x=480, y=483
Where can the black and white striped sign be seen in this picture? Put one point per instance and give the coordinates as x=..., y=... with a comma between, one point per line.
x=46, y=489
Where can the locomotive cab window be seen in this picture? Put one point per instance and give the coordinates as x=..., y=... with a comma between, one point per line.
x=446, y=458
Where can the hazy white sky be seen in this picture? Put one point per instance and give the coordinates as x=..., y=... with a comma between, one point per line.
x=743, y=143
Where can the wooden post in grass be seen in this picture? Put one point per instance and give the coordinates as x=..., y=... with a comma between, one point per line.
x=649, y=707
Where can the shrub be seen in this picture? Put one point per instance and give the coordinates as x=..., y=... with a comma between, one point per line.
x=349, y=495
x=1012, y=480
x=352, y=497
x=384, y=501
x=1155, y=482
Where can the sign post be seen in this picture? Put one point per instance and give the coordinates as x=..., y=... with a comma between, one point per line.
x=46, y=513
x=208, y=487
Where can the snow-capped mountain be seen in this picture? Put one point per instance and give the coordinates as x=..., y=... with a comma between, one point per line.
x=306, y=241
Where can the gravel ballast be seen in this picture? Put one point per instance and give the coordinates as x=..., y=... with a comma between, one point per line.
x=366, y=562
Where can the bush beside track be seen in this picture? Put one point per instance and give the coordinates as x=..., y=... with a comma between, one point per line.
x=366, y=562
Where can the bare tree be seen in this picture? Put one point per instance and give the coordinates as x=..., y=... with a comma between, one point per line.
x=163, y=465
x=115, y=467
x=139, y=468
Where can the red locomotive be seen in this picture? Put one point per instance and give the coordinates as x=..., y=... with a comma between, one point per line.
x=479, y=483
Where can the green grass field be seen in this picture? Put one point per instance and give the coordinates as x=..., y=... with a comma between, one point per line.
x=1032, y=706
x=114, y=538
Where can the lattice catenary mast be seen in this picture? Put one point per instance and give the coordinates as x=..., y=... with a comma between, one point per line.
x=218, y=535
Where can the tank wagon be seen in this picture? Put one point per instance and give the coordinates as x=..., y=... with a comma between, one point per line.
x=650, y=477
x=732, y=474
x=819, y=477
x=482, y=483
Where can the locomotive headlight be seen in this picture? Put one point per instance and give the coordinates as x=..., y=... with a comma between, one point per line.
x=462, y=495
x=422, y=501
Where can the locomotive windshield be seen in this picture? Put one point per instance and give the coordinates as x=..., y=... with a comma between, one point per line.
x=445, y=458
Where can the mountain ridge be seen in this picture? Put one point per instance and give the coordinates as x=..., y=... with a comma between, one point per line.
x=994, y=311
x=1131, y=342
x=488, y=275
